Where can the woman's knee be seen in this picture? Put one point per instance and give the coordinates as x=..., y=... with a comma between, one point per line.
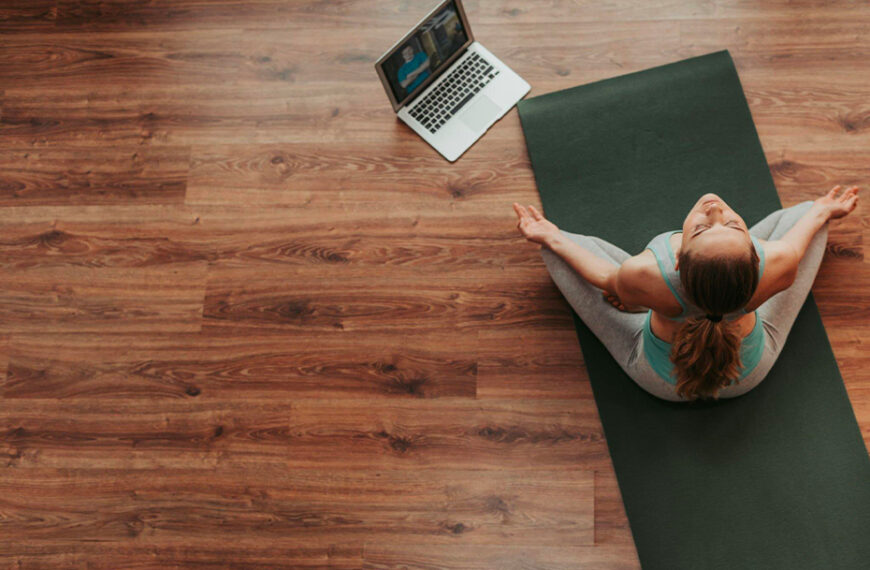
x=574, y=288
x=560, y=271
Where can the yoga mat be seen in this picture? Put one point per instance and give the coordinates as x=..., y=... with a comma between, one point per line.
x=777, y=478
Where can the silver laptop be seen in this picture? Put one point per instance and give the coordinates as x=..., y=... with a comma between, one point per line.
x=446, y=86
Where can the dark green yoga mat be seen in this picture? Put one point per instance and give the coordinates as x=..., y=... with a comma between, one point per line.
x=777, y=478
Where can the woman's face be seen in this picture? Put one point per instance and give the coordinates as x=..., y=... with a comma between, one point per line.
x=712, y=227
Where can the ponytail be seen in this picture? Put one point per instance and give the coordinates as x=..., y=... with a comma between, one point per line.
x=706, y=350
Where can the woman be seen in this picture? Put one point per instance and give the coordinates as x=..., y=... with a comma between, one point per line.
x=721, y=297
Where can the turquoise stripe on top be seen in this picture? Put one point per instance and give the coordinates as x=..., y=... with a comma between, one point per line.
x=658, y=352
x=664, y=272
x=760, y=250
x=671, y=249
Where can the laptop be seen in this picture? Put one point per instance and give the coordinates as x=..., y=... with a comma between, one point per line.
x=447, y=87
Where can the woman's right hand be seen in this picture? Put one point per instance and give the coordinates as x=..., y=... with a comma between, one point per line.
x=534, y=226
x=839, y=206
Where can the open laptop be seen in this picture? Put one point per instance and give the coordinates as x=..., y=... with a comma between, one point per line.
x=446, y=86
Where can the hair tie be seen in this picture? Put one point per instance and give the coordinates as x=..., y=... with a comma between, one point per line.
x=714, y=318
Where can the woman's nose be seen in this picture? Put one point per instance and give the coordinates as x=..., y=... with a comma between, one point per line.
x=714, y=208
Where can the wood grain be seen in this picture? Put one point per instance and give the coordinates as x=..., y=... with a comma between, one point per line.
x=244, y=552
x=351, y=240
x=310, y=174
x=283, y=300
x=105, y=300
x=104, y=176
x=509, y=557
x=541, y=363
x=214, y=365
x=307, y=433
x=303, y=507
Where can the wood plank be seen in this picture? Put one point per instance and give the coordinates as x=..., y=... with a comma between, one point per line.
x=838, y=303
x=802, y=108
x=54, y=237
x=611, y=522
x=107, y=300
x=302, y=507
x=30, y=16
x=529, y=364
x=84, y=16
x=281, y=299
x=194, y=14
x=241, y=551
x=358, y=239
x=302, y=173
x=278, y=56
x=31, y=177
x=503, y=557
x=213, y=366
x=771, y=45
x=4, y=358
x=321, y=433
x=805, y=174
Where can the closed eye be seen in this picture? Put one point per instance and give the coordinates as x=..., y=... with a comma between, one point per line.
x=733, y=224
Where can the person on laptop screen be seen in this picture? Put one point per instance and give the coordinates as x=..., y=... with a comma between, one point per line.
x=433, y=43
x=414, y=71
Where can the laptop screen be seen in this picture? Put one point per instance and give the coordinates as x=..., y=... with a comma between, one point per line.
x=420, y=55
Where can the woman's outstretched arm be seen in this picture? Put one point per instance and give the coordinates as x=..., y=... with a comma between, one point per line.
x=535, y=228
x=828, y=207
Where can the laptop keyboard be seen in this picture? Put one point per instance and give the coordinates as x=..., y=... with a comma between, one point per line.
x=463, y=83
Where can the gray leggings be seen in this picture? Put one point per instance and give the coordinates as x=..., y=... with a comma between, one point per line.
x=621, y=333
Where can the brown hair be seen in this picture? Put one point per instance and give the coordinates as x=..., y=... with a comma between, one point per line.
x=706, y=354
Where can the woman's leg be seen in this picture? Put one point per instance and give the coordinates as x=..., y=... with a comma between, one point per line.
x=780, y=311
x=618, y=331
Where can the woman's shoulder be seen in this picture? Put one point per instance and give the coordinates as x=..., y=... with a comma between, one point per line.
x=640, y=282
x=640, y=267
x=780, y=268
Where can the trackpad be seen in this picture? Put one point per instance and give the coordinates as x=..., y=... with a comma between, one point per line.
x=480, y=113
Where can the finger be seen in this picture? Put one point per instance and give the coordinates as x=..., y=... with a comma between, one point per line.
x=850, y=193
x=535, y=213
x=521, y=211
x=528, y=215
x=833, y=191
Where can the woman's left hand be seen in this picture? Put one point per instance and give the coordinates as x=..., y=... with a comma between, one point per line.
x=534, y=226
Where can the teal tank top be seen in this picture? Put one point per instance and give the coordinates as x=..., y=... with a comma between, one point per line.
x=657, y=351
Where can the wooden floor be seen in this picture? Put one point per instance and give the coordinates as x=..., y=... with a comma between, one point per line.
x=249, y=320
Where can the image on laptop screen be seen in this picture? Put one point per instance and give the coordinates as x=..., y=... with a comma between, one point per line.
x=418, y=57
